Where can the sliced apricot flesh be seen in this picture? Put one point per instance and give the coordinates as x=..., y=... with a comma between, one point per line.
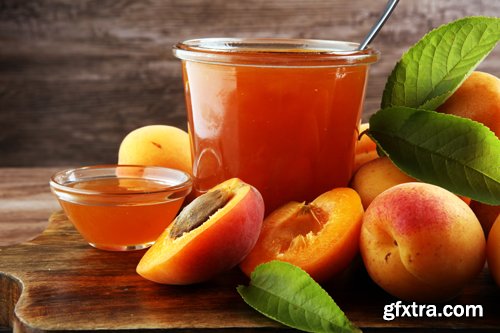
x=211, y=235
x=321, y=237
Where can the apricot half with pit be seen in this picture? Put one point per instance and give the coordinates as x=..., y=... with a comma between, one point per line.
x=211, y=235
x=321, y=237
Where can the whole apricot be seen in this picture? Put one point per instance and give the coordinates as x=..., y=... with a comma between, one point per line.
x=493, y=251
x=321, y=237
x=478, y=98
x=361, y=159
x=420, y=242
x=157, y=145
x=366, y=148
x=375, y=177
x=364, y=144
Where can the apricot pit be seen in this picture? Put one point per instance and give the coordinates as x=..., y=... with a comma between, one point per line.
x=198, y=212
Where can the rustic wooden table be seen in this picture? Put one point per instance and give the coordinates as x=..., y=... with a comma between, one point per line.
x=25, y=203
x=56, y=282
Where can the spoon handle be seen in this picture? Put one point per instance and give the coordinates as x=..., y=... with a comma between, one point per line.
x=391, y=4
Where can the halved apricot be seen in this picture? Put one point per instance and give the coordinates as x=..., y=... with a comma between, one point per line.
x=211, y=235
x=321, y=237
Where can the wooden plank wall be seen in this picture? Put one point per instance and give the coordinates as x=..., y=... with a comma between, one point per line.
x=77, y=75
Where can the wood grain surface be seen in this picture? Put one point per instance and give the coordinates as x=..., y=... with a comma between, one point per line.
x=59, y=283
x=77, y=75
x=25, y=203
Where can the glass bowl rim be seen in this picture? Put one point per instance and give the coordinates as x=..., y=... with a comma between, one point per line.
x=57, y=185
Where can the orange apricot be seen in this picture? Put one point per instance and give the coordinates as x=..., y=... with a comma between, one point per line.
x=366, y=148
x=321, y=237
x=157, y=145
x=493, y=251
x=364, y=144
x=211, y=235
x=420, y=242
x=361, y=159
x=478, y=98
x=377, y=176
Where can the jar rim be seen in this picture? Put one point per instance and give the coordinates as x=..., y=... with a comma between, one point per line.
x=286, y=52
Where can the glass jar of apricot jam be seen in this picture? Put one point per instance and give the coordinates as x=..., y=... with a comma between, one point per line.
x=281, y=114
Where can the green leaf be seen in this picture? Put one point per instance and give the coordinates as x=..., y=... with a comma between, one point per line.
x=287, y=294
x=458, y=154
x=431, y=70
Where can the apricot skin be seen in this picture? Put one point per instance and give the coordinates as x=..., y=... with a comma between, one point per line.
x=361, y=159
x=478, y=98
x=216, y=246
x=366, y=149
x=364, y=144
x=157, y=145
x=421, y=243
x=493, y=251
x=375, y=177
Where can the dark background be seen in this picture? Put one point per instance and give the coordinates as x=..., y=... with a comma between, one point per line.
x=77, y=75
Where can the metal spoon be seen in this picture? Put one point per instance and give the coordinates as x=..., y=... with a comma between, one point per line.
x=391, y=4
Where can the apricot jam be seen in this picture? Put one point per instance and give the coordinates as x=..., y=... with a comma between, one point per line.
x=121, y=210
x=282, y=115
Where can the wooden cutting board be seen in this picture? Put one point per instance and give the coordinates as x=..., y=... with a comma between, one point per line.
x=59, y=283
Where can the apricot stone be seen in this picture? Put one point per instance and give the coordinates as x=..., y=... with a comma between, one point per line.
x=420, y=242
x=157, y=145
x=478, y=98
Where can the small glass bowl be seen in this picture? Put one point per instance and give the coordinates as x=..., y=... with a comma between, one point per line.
x=121, y=207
